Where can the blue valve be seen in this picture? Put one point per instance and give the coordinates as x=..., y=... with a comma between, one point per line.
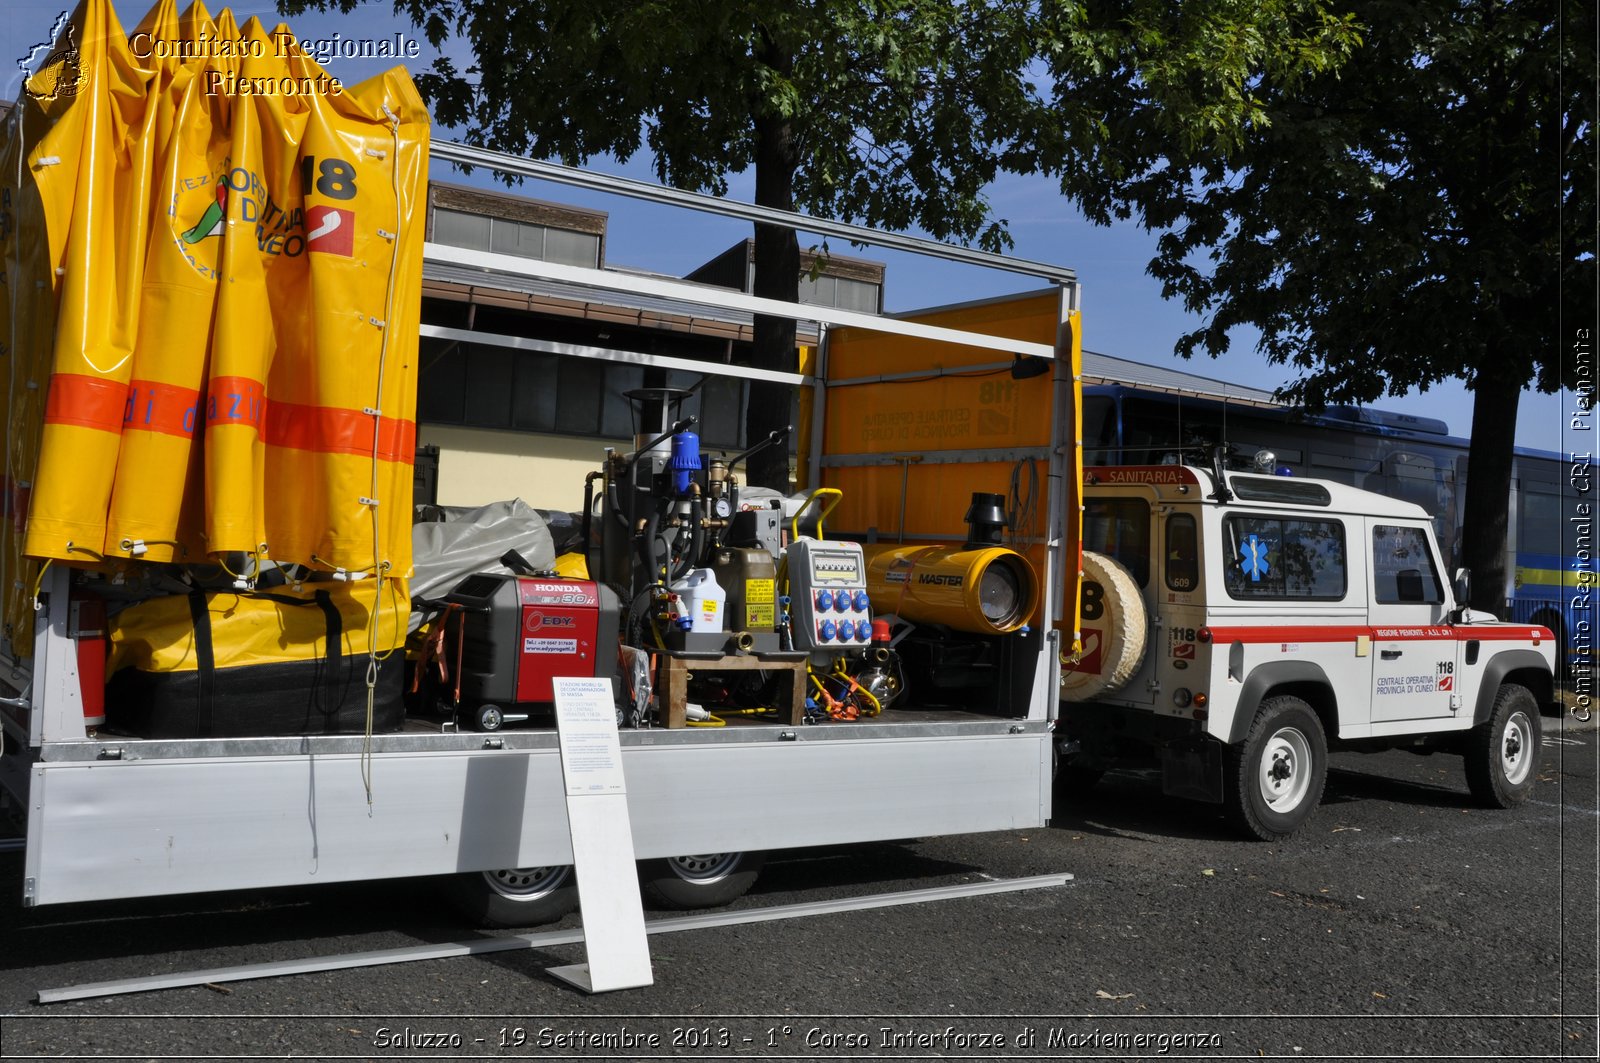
x=827, y=629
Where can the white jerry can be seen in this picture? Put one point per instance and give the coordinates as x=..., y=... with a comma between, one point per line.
x=702, y=599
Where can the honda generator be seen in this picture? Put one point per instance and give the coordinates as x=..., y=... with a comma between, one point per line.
x=511, y=635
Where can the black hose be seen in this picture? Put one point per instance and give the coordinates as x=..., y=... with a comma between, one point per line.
x=588, y=524
x=647, y=547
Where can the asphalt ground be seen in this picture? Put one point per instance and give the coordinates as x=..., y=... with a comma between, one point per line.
x=1402, y=923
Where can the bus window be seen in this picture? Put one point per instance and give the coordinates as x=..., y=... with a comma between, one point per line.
x=1539, y=526
x=1120, y=529
x=1183, y=553
x=1157, y=432
x=1100, y=431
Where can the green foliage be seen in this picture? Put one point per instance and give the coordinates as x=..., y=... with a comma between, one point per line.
x=896, y=113
x=1408, y=218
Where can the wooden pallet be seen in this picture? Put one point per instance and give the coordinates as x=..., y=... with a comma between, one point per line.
x=675, y=673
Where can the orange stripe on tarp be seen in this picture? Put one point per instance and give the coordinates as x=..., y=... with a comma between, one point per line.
x=86, y=401
x=331, y=430
x=148, y=405
x=235, y=400
x=166, y=408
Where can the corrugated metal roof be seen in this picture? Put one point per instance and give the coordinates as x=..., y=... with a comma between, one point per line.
x=511, y=282
x=1107, y=369
x=1097, y=368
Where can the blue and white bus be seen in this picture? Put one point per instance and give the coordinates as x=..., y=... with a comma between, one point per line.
x=1139, y=415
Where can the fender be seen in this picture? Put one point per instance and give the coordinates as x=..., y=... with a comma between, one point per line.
x=1263, y=679
x=1503, y=664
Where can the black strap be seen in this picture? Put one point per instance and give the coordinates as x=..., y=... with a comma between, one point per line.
x=333, y=676
x=328, y=691
x=206, y=661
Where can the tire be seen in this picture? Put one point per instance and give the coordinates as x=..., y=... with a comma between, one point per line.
x=513, y=897
x=1502, y=755
x=487, y=718
x=707, y=880
x=1115, y=641
x=1275, y=777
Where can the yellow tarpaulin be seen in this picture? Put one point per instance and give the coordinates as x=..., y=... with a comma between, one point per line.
x=158, y=464
x=91, y=169
x=918, y=446
x=213, y=262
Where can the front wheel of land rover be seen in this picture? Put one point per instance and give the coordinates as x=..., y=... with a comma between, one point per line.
x=1275, y=778
x=1500, y=753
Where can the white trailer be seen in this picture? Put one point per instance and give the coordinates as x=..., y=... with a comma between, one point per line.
x=114, y=817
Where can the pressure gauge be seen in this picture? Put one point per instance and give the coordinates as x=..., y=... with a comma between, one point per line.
x=721, y=508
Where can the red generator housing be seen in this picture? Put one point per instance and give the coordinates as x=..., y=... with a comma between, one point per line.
x=517, y=633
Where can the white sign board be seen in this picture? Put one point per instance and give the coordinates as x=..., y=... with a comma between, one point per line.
x=586, y=728
x=602, y=840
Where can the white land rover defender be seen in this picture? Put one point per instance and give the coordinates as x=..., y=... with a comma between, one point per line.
x=1239, y=626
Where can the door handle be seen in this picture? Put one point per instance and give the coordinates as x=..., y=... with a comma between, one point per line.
x=1390, y=655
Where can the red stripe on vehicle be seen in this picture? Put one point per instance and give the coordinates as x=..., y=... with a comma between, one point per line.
x=1515, y=633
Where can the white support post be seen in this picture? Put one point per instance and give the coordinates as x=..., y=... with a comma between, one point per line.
x=57, y=712
x=617, y=951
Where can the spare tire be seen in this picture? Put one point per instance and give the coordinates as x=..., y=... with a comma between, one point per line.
x=1115, y=627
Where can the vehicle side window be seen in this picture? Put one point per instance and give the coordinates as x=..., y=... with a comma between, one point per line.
x=1270, y=557
x=1120, y=529
x=1403, y=572
x=1183, y=553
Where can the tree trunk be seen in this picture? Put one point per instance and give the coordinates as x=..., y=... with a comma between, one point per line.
x=777, y=276
x=1486, y=515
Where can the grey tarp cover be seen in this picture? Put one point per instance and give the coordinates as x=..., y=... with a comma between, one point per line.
x=447, y=551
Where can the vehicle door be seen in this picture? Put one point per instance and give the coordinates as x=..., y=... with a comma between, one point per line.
x=1414, y=650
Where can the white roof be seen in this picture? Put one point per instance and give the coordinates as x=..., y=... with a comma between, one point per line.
x=1189, y=483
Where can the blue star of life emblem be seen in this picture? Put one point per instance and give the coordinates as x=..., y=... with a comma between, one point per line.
x=1254, y=552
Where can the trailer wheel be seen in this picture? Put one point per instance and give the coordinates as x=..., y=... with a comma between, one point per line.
x=1115, y=633
x=487, y=718
x=519, y=896
x=1500, y=755
x=1275, y=778
x=706, y=880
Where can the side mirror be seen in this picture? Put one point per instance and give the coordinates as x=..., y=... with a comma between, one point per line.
x=1462, y=590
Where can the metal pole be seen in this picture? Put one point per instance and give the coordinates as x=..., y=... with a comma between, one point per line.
x=469, y=155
